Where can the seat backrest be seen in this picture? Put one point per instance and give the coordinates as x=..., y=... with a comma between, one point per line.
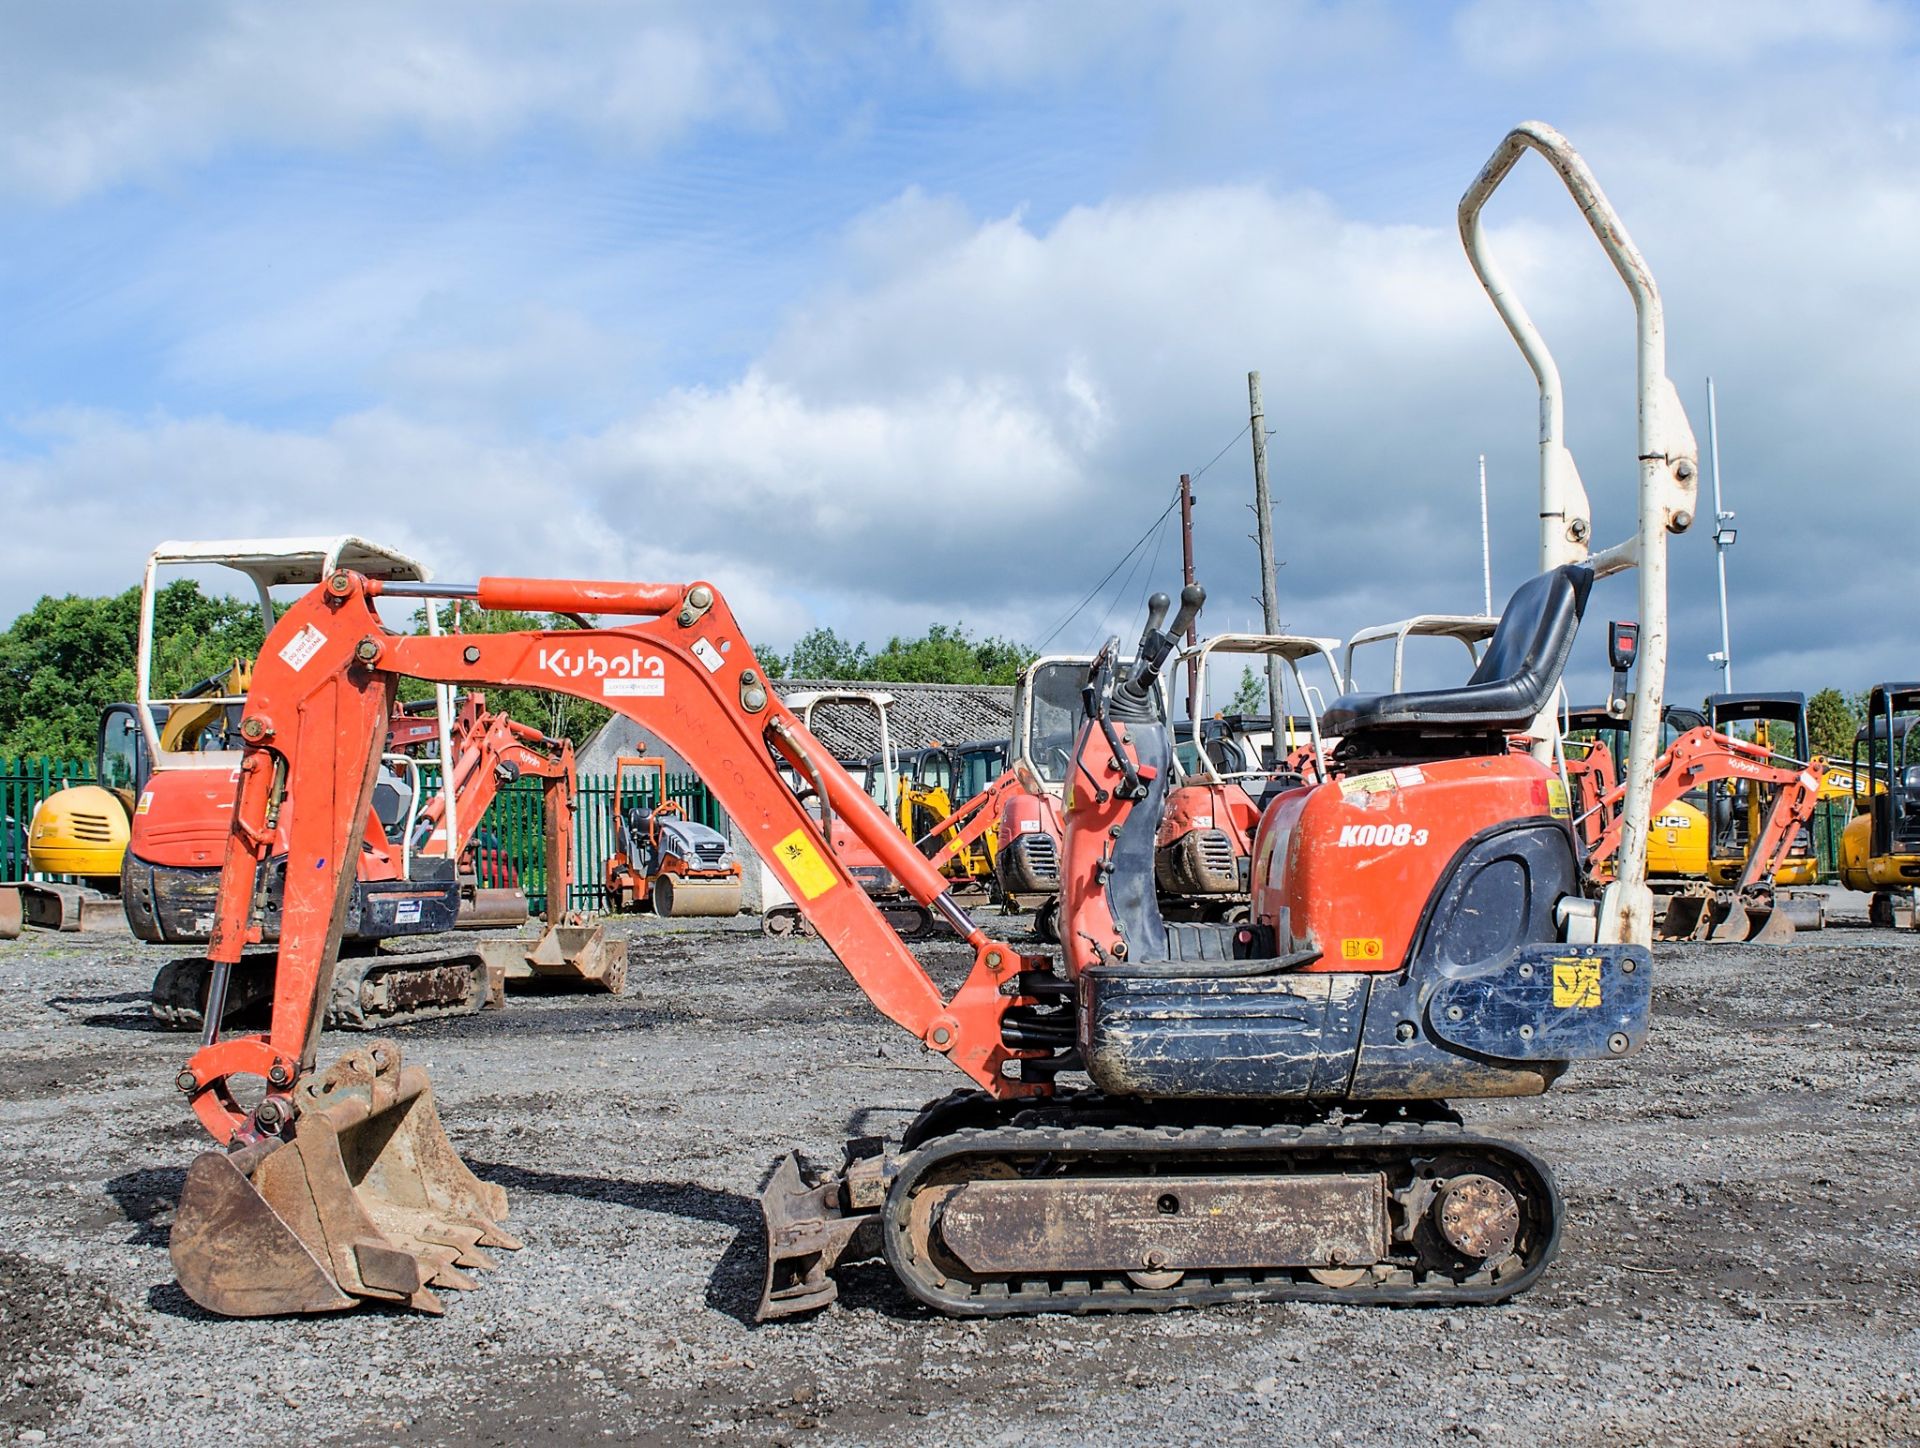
x=1534, y=638
x=1512, y=684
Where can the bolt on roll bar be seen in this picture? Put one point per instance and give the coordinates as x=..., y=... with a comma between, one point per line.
x=1668, y=477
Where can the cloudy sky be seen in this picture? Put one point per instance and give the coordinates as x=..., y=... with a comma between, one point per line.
x=879, y=315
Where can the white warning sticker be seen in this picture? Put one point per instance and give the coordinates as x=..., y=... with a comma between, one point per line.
x=708, y=655
x=299, y=650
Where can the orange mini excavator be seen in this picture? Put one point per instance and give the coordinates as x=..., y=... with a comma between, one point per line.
x=406, y=884
x=1269, y=1113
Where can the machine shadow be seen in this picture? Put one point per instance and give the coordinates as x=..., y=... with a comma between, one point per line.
x=735, y=1284
x=138, y=1018
x=146, y=1196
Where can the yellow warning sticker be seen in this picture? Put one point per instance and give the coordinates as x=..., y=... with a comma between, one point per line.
x=812, y=875
x=1557, y=799
x=1359, y=947
x=1379, y=782
x=1576, y=982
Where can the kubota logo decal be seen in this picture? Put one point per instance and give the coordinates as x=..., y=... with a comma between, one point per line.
x=634, y=672
x=1352, y=836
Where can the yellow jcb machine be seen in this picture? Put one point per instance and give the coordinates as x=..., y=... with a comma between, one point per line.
x=81, y=832
x=1880, y=847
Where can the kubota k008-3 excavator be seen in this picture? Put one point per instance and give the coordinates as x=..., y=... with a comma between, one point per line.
x=1269, y=1119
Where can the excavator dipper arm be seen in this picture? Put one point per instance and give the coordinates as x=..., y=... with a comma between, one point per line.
x=315, y=722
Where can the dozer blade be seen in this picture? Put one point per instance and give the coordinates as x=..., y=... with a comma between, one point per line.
x=1807, y=911
x=364, y=1199
x=11, y=915
x=808, y=1232
x=681, y=897
x=70, y=908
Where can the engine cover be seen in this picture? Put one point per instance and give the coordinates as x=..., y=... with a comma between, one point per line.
x=1355, y=861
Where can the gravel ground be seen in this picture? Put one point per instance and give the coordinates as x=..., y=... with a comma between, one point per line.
x=1742, y=1262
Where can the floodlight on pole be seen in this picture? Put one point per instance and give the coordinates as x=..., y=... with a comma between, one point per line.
x=1724, y=538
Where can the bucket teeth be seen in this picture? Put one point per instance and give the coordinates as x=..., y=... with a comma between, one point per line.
x=367, y=1200
x=454, y=1280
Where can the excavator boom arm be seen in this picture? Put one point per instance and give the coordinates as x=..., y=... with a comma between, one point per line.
x=316, y=720
x=1695, y=758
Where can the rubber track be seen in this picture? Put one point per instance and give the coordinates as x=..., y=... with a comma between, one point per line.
x=181, y=987
x=1103, y=1147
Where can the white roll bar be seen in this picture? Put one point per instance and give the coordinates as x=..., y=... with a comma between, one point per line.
x=1668, y=480
x=1292, y=649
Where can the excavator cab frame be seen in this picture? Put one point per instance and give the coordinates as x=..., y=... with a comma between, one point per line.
x=1293, y=650
x=1471, y=629
x=1880, y=846
x=1736, y=809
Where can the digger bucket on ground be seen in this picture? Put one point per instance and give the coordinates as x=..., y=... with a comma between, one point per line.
x=1726, y=917
x=681, y=895
x=583, y=953
x=364, y=1199
x=1687, y=917
x=11, y=916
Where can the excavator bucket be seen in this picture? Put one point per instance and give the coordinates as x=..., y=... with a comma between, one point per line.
x=364, y=1199
x=11, y=915
x=584, y=953
x=682, y=895
x=1687, y=917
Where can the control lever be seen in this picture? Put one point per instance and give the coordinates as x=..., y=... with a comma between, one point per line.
x=1157, y=646
x=1623, y=647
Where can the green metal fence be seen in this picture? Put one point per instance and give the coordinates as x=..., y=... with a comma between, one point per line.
x=510, y=842
x=23, y=784
x=1830, y=817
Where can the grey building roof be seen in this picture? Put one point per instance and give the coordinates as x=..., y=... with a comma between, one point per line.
x=922, y=714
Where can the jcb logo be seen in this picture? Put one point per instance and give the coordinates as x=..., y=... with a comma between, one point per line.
x=1400, y=834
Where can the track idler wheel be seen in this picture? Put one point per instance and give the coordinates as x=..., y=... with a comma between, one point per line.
x=360, y=1198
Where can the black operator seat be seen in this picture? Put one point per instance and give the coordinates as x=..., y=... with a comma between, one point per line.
x=1515, y=680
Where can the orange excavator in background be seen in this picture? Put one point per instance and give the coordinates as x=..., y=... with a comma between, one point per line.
x=1748, y=908
x=407, y=885
x=1271, y=1120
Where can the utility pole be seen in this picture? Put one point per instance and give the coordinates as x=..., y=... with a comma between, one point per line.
x=1186, y=571
x=1723, y=539
x=1486, y=547
x=1263, y=511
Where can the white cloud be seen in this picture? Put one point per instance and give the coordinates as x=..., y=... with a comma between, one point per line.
x=92, y=94
x=1522, y=35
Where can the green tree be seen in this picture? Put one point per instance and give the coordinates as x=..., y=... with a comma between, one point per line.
x=823, y=654
x=944, y=654
x=560, y=716
x=948, y=654
x=65, y=659
x=1832, y=719
x=1250, y=697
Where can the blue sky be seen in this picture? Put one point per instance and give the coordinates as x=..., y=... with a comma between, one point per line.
x=885, y=314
